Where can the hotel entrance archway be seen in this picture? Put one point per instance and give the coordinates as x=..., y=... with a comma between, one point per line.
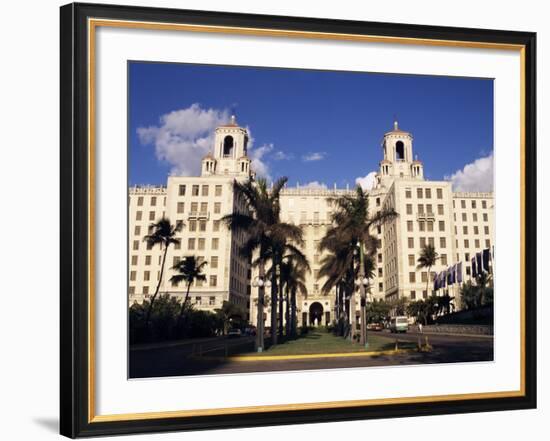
x=315, y=314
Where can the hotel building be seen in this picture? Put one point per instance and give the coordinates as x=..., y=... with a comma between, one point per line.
x=457, y=224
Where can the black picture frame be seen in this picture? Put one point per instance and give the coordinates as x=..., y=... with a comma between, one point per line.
x=76, y=417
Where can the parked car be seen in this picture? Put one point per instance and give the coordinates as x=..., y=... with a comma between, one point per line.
x=375, y=326
x=234, y=333
x=399, y=324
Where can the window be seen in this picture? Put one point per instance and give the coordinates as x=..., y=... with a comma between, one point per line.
x=428, y=192
x=146, y=275
x=198, y=300
x=140, y=201
x=138, y=215
x=194, y=207
x=379, y=258
x=473, y=204
x=151, y=215
x=443, y=259
x=466, y=257
x=409, y=225
x=412, y=277
x=441, y=225
x=486, y=229
x=439, y=192
x=137, y=230
x=413, y=295
x=408, y=193
x=431, y=241
x=466, y=243
x=215, y=243
x=216, y=225
x=202, y=242
x=218, y=190
x=228, y=146
x=177, y=245
x=378, y=202
x=202, y=225
x=217, y=207
x=195, y=190
x=411, y=260
x=204, y=207
x=212, y=300
x=135, y=245
x=192, y=225
x=476, y=229
x=148, y=246
x=424, y=294
x=181, y=207
x=440, y=209
x=153, y=201
x=419, y=193
x=411, y=242
x=134, y=260
x=409, y=209
x=147, y=260
x=462, y=203
x=379, y=272
x=204, y=190
x=422, y=242
x=424, y=276
x=465, y=229
x=476, y=243
x=181, y=191
x=468, y=271
x=474, y=217
x=487, y=243
x=176, y=260
x=380, y=287
x=421, y=226
x=483, y=204
x=145, y=290
x=442, y=242
x=214, y=262
x=485, y=217
x=421, y=208
x=213, y=280
x=191, y=243
x=131, y=290
x=430, y=225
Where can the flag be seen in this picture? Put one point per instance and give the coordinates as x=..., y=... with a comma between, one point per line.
x=450, y=276
x=486, y=259
x=443, y=279
x=479, y=263
x=436, y=282
x=474, y=267
x=459, y=272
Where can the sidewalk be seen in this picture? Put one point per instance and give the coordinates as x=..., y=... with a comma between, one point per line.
x=173, y=343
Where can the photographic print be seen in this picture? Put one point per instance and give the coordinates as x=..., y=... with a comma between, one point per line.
x=295, y=219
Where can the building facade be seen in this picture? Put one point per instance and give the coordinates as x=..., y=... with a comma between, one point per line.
x=457, y=224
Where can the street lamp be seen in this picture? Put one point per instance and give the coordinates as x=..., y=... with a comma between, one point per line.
x=362, y=282
x=261, y=283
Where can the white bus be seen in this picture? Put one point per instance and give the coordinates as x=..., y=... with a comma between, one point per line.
x=399, y=324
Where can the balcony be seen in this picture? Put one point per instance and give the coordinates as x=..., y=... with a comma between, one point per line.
x=425, y=216
x=199, y=215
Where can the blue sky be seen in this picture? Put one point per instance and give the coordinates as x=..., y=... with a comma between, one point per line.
x=312, y=126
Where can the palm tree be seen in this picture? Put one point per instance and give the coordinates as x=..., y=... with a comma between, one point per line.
x=293, y=274
x=262, y=225
x=163, y=234
x=189, y=269
x=228, y=312
x=352, y=225
x=428, y=258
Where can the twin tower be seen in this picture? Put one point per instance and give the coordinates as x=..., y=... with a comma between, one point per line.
x=230, y=157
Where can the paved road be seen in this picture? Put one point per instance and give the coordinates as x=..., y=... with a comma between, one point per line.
x=175, y=361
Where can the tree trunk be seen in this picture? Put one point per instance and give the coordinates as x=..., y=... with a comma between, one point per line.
x=260, y=312
x=281, y=300
x=186, y=298
x=287, y=312
x=274, y=305
x=148, y=316
x=293, y=313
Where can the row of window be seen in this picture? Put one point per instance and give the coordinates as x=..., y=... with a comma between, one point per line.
x=195, y=207
x=152, y=201
x=152, y=215
x=473, y=203
x=477, y=243
x=425, y=225
x=200, y=190
x=429, y=209
x=474, y=217
x=424, y=193
x=423, y=276
x=475, y=229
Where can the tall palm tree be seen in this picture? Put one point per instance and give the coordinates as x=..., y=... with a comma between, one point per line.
x=352, y=224
x=262, y=225
x=427, y=259
x=163, y=234
x=293, y=273
x=189, y=269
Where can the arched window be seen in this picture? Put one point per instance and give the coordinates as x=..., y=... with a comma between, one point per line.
x=228, y=146
x=399, y=150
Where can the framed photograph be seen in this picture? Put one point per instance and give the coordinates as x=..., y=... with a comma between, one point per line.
x=277, y=220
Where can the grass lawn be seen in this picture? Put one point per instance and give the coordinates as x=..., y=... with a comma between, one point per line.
x=321, y=342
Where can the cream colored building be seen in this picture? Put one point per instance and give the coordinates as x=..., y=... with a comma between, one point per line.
x=457, y=224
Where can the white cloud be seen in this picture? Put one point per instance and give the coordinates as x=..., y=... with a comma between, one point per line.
x=314, y=156
x=282, y=156
x=314, y=185
x=476, y=176
x=367, y=182
x=183, y=137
